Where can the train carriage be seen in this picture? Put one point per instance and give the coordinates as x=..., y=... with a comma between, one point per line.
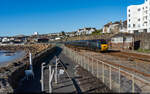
x=98, y=45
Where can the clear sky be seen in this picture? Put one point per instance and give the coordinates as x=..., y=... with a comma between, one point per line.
x=48, y=16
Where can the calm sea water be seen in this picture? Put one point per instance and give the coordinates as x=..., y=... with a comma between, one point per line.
x=6, y=56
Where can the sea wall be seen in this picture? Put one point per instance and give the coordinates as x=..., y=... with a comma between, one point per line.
x=11, y=74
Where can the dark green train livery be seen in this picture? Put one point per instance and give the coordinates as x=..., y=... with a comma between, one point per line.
x=100, y=44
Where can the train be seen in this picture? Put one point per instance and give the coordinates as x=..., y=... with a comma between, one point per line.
x=97, y=45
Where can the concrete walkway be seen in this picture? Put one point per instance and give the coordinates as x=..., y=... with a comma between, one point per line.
x=66, y=82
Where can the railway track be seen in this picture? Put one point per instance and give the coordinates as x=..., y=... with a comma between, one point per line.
x=140, y=59
x=130, y=56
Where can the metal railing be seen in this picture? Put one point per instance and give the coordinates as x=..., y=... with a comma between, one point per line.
x=114, y=77
x=53, y=74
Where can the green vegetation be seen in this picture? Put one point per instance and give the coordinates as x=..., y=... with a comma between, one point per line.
x=97, y=32
x=144, y=51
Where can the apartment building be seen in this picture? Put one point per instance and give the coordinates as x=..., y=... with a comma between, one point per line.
x=138, y=18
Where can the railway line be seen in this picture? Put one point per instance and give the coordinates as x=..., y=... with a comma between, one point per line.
x=132, y=62
x=130, y=56
x=100, y=67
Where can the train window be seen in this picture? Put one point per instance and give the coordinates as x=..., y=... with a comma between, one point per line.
x=103, y=42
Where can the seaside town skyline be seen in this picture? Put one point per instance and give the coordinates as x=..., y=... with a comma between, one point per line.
x=26, y=17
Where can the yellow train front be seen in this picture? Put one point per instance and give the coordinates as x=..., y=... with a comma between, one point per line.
x=96, y=45
x=103, y=45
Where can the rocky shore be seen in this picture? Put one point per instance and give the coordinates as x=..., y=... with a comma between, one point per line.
x=12, y=73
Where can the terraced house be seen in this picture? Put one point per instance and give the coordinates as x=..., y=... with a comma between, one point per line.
x=138, y=17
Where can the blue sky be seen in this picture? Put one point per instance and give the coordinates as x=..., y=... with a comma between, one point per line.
x=48, y=16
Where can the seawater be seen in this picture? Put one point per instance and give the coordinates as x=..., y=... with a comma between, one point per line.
x=7, y=56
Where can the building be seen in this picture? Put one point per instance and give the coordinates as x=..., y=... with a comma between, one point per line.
x=138, y=17
x=5, y=40
x=123, y=27
x=86, y=31
x=70, y=34
x=122, y=41
x=36, y=33
x=112, y=27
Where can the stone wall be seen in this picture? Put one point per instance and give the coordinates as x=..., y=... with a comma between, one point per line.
x=14, y=72
x=89, y=37
x=143, y=39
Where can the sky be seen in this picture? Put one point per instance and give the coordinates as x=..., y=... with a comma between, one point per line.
x=51, y=16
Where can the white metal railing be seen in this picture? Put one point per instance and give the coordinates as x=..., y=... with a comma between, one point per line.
x=114, y=77
x=53, y=73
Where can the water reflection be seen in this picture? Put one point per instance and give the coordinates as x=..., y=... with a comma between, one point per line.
x=6, y=56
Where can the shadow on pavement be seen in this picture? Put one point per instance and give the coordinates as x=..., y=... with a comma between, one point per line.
x=34, y=86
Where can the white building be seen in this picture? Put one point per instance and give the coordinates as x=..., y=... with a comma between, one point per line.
x=86, y=31
x=138, y=17
x=36, y=33
x=5, y=40
x=112, y=27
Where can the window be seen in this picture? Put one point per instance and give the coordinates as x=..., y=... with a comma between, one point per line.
x=129, y=20
x=129, y=10
x=129, y=15
x=139, y=19
x=129, y=25
x=139, y=9
x=133, y=25
x=138, y=25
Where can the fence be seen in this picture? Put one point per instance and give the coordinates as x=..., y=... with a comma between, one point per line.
x=114, y=77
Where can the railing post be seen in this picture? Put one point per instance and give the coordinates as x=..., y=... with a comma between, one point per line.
x=56, y=70
x=103, y=72
x=97, y=68
x=88, y=63
x=133, y=89
x=92, y=66
x=110, y=82
x=84, y=62
x=42, y=78
x=50, y=74
x=119, y=80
